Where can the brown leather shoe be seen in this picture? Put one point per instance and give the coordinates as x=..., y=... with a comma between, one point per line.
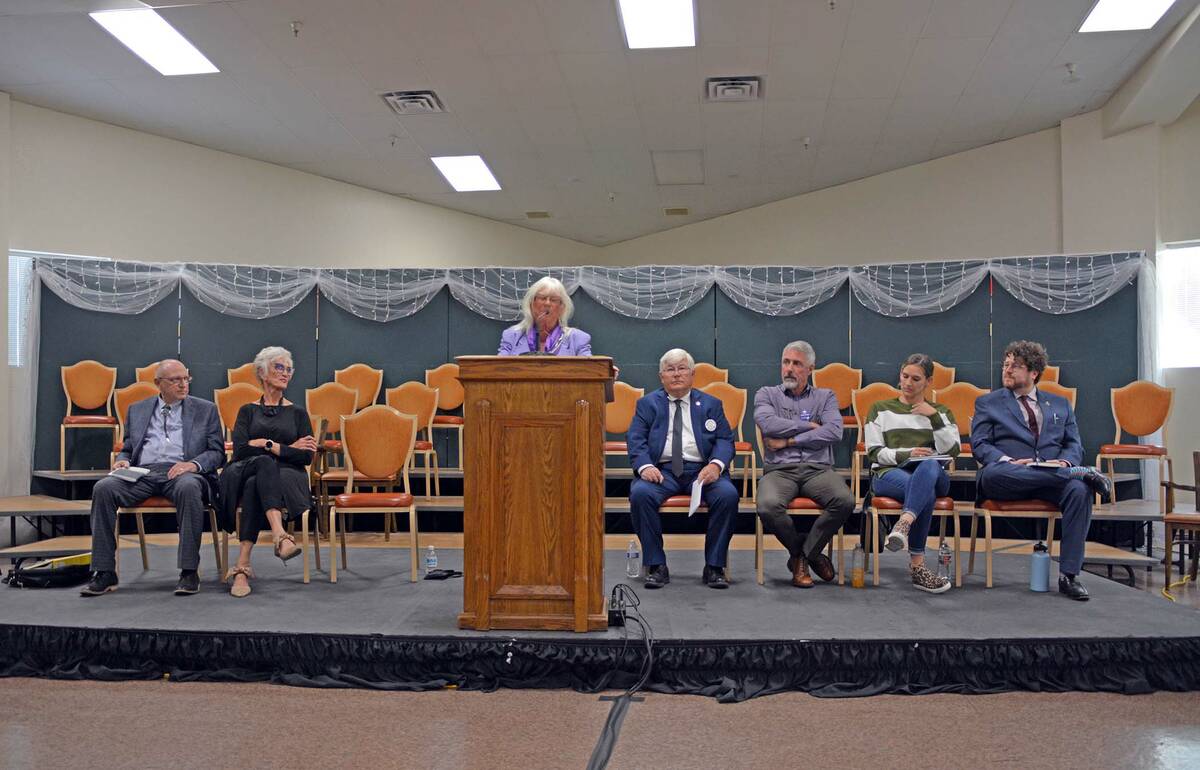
x=800, y=576
x=824, y=568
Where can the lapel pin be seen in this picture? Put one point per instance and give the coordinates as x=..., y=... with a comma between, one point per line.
x=710, y=424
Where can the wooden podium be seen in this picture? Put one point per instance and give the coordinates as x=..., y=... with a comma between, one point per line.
x=533, y=486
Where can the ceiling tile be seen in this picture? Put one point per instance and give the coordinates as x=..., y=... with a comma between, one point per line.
x=965, y=18
x=842, y=163
x=497, y=130
x=558, y=128
x=735, y=124
x=614, y=127
x=1015, y=63
x=886, y=20
x=510, y=27
x=743, y=23
x=673, y=127
x=871, y=69
x=597, y=79
x=785, y=122
x=1038, y=18
x=802, y=72
x=789, y=166
x=531, y=80
x=439, y=134
x=666, y=77
x=716, y=61
x=464, y=81
x=807, y=22
x=270, y=20
x=855, y=121
x=913, y=119
x=942, y=67
x=582, y=26
x=981, y=117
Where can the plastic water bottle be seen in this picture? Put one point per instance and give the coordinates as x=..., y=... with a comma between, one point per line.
x=945, y=565
x=1039, y=568
x=858, y=567
x=633, y=559
x=430, y=560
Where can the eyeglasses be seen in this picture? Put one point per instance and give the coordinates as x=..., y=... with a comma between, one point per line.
x=1012, y=366
x=281, y=369
x=554, y=298
x=176, y=380
x=676, y=370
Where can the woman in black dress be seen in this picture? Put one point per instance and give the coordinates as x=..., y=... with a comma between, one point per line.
x=272, y=445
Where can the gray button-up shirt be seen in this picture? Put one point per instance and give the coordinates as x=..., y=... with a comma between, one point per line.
x=781, y=414
x=164, y=443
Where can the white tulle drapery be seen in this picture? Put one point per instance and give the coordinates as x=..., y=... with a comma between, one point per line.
x=1051, y=284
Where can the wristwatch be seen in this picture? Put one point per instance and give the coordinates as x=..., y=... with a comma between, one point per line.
x=268, y=445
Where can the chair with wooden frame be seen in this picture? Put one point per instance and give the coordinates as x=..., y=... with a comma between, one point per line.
x=122, y=399
x=618, y=414
x=364, y=380
x=1012, y=509
x=943, y=377
x=843, y=381
x=1140, y=408
x=706, y=374
x=1049, y=374
x=943, y=508
x=146, y=373
x=960, y=398
x=862, y=399
x=1179, y=524
x=1059, y=390
x=799, y=506
x=417, y=398
x=450, y=397
x=89, y=385
x=332, y=401
x=319, y=427
x=733, y=402
x=378, y=443
x=157, y=505
x=245, y=373
x=229, y=402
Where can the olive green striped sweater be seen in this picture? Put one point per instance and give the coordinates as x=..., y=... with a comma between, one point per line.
x=892, y=431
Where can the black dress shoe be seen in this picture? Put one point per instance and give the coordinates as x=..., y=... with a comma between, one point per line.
x=1067, y=584
x=822, y=565
x=102, y=582
x=658, y=576
x=189, y=583
x=714, y=577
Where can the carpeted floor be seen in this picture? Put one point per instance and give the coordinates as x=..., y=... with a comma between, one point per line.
x=101, y=725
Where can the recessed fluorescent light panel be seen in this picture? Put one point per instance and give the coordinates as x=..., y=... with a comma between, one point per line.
x=1117, y=15
x=466, y=173
x=658, y=23
x=158, y=43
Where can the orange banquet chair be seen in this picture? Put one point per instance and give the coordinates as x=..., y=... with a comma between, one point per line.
x=1141, y=408
x=943, y=377
x=733, y=402
x=146, y=373
x=863, y=399
x=378, y=443
x=419, y=399
x=1060, y=390
x=1049, y=374
x=450, y=397
x=959, y=398
x=122, y=399
x=89, y=385
x=842, y=380
x=244, y=373
x=706, y=374
x=618, y=414
x=229, y=402
x=364, y=380
x=330, y=401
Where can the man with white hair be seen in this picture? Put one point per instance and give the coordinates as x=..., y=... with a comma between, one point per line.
x=178, y=438
x=679, y=436
x=800, y=424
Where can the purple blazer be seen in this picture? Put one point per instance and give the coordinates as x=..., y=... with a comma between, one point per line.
x=574, y=342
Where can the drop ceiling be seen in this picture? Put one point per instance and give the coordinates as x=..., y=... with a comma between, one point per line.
x=567, y=118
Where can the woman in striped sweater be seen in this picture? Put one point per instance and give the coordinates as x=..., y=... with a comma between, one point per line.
x=898, y=433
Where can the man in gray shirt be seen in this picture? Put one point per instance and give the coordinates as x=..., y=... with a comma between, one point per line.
x=800, y=424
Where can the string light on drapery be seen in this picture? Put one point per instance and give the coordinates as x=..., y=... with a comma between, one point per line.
x=1053, y=284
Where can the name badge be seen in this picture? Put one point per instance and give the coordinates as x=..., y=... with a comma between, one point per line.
x=710, y=424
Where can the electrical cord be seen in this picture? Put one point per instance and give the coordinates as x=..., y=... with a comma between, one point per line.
x=1166, y=591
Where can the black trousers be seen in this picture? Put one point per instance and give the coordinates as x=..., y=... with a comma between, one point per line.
x=271, y=484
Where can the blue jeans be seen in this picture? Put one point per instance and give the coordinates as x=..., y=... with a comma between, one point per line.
x=918, y=489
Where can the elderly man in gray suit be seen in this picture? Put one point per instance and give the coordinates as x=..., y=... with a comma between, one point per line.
x=178, y=439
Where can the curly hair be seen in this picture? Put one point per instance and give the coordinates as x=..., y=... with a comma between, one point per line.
x=1032, y=354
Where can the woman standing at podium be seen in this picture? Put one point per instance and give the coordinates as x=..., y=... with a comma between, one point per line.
x=545, y=310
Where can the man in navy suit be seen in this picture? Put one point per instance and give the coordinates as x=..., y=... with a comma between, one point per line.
x=178, y=438
x=679, y=436
x=1027, y=444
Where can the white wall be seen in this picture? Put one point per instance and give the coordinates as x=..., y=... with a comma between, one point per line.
x=86, y=187
x=1180, y=190
x=994, y=201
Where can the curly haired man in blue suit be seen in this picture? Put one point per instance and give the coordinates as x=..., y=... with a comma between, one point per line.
x=678, y=436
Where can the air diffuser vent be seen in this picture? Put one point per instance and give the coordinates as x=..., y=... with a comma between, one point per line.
x=676, y=211
x=413, y=102
x=734, y=89
x=537, y=214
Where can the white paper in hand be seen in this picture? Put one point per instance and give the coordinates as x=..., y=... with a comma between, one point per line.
x=695, y=503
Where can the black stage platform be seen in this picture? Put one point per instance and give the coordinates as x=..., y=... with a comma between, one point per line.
x=376, y=629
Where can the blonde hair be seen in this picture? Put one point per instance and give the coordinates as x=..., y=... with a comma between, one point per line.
x=554, y=285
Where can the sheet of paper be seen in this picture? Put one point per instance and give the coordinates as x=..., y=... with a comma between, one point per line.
x=695, y=503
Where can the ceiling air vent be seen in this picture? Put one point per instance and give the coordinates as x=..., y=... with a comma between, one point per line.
x=413, y=102
x=676, y=211
x=537, y=214
x=734, y=89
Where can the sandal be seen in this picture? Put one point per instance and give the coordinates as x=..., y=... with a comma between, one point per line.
x=236, y=591
x=284, y=557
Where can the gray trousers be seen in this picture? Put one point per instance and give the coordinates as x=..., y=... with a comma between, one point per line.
x=783, y=482
x=185, y=491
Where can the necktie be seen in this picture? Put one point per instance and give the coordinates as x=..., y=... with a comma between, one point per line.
x=677, y=440
x=166, y=412
x=1031, y=417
